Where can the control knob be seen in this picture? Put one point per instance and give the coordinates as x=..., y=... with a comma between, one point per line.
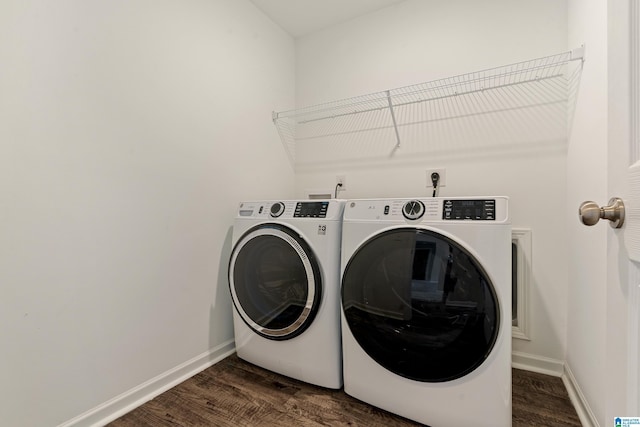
x=276, y=210
x=413, y=209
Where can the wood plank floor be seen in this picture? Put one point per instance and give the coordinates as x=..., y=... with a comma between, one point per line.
x=235, y=393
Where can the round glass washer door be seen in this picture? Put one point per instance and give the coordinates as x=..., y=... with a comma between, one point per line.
x=420, y=305
x=275, y=281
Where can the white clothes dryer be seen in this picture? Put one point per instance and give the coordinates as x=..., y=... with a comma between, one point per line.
x=284, y=278
x=426, y=308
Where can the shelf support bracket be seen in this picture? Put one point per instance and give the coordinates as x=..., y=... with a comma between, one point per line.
x=393, y=119
x=286, y=137
x=577, y=54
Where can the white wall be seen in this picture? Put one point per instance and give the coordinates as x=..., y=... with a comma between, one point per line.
x=130, y=130
x=418, y=41
x=587, y=180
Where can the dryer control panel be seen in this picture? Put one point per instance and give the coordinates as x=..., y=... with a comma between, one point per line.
x=474, y=209
x=487, y=210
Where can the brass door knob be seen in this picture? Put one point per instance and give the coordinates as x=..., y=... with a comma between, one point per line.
x=590, y=212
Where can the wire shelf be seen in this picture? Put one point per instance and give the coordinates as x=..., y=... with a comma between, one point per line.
x=542, y=82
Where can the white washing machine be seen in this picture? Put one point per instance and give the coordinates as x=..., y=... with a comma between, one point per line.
x=284, y=278
x=426, y=308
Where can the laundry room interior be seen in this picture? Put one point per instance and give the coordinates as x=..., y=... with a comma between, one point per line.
x=133, y=130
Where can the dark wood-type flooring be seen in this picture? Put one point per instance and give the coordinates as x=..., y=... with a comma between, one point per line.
x=235, y=393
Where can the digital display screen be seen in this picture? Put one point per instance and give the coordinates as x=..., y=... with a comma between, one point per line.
x=477, y=210
x=311, y=210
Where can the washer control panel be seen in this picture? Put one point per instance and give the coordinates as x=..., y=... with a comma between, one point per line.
x=471, y=209
x=282, y=210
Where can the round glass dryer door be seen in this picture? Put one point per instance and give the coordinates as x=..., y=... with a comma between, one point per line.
x=420, y=305
x=275, y=281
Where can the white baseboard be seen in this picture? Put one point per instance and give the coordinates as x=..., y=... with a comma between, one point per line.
x=129, y=400
x=539, y=364
x=558, y=368
x=586, y=415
